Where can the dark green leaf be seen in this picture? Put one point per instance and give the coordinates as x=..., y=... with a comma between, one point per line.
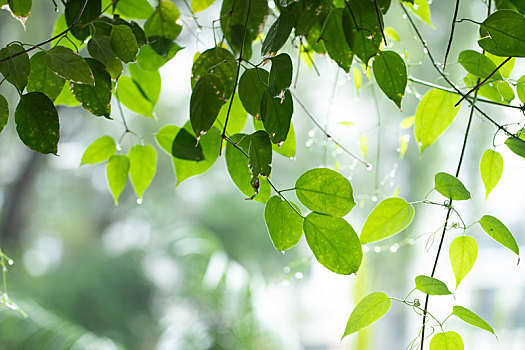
x=499, y=232
x=163, y=22
x=206, y=101
x=252, y=85
x=450, y=187
x=91, y=11
x=60, y=26
x=334, y=40
x=37, y=122
x=285, y=225
x=123, y=43
x=20, y=8
x=503, y=34
x=390, y=217
x=117, y=169
x=516, y=145
x=471, y=318
x=43, y=79
x=131, y=96
x=390, y=73
x=478, y=64
x=288, y=147
x=69, y=65
x=370, y=309
x=333, y=242
x=99, y=150
x=185, y=146
x=142, y=167
x=325, y=191
x=278, y=34
x=276, y=114
x=446, y=341
x=4, y=112
x=259, y=156
x=281, y=73
x=463, y=253
x=431, y=286
x=95, y=99
x=217, y=61
x=99, y=47
x=15, y=70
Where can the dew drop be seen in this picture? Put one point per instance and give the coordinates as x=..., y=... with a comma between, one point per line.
x=393, y=249
x=199, y=30
x=139, y=201
x=369, y=167
x=119, y=148
x=425, y=50
x=299, y=275
x=366, y=249
x=416, y=7
x=374, y=199
x=286, y=269
x=10, y=261
x=377, y=249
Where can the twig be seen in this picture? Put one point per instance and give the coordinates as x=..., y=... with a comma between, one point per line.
x=380, y=22
x=451, y=33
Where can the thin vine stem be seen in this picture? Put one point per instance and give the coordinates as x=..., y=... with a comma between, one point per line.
x=451, y=34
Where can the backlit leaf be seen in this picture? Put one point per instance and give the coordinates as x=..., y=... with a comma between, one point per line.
x=147, y=81
x=422, y=9
x=499, y=232
x=335, y=42
x=278, y=34
x=516, y=145
x=185, y=146
x=450, y=187
x=218, y=61
x=446, y=341
x=163, y=22
x=142, y=167
x=16, y=69
x=131, y=96
x=69, y=65
x=391, y=216
x=151, y=60
x=390, y=73
x=237, y=118
x=370, y=309
x=99, y=150
x=117, y=169
x=99, y=47
x=284, y=224
x=133, y=9
x=491, y=168
x=43, y=79
x=4, y=112
x=123, y=43
x=463, y=253
x=471, y=318
x=431, y=285
x=201, y=5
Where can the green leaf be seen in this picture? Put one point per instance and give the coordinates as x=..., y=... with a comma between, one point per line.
x=185, y=146
x=142, y=167
x=325, y=191
x=278, y=34
x=288, y=147
x=69, y=65
x=99, y=150
x=463, y=253
x=446, y=341
x=61, y=25
x=390, y=73
x=284, y=224
x=422, y=9
x=201, y=5
x=20, y=8
x=450, y=187
x=259, y=155
x=391, y=216
x=237, y=165
x=362, y=29
x=507, y=68
x=4, y=112
x=37, y=122
x=117, y=169
x=88, y=13
x=123, y=43
x=516, y=145
x=151, y=60
x=147, y=81
x=133, y=9
x=43, y=79
x=237, y=119
x=276, y=114
x=163, y=22
x=503, y=34
x=471, y=318
x=15, y=70
x=498, y=91
x=206, y=101
x=478, y=64
x=431, y=285
x=131, y=96
x=491, y=168
x=434, y=115
x=499, y=232
x=370, y=309
x=520, y=88
x=99, y=47
x=335, y=42
x=280, y=74
x=66, y=98
x=392, y=34
x=218, y=61
x=333, y=242
x=95, y=99
x=252, y=85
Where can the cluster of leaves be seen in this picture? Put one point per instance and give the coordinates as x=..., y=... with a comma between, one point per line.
x=130, y=37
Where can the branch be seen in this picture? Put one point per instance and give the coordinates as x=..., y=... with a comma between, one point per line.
x=451, y=34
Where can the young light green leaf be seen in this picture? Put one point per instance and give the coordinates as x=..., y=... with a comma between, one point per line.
x=370, y=309
x=390, y=73
x=206, y=100
x=463, y=252
x=123, y=43
x=4, y=112
x=516, y=145
x=503, y=34
x=392, y=34
x=497, y=91
x=280, y=73
x=446, y=341
x=478, y=64
x=43, y=79
x=325, y=191
x=391, y=216
x=421, y=8
x=434, y=115
x=37, y=122
x=499, y=232
x=334, y=40
x=95, y=99
x=99, y=150
x=284, y=224
x=276, y=114
x=134, y=9
x=491, y=168
x=163, y=22
x=66, y=98
x=520, y=88
x=99, y=47
x=431, y=286
x=237, y=118
x=450, y=187
x=117, y=169
x=252, y=85
x=218, y=61
x=201, y=5
x=333, y=242
x=69, y=65
x=471, y=318
x=147, y=81
x=131, y=96
x=142, y=167
x=185, y=146
x=278, y=34
x=149, y=59
x=15, y=70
